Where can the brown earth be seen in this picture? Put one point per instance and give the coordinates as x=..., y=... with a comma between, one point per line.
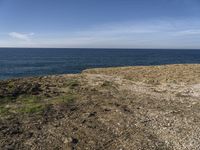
x=149, y=108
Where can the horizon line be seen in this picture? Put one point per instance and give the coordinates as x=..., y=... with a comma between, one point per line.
x=99, y=48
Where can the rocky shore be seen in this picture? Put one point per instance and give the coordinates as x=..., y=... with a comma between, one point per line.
x=143, y=107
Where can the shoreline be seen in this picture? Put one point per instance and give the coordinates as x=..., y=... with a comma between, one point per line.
x=101, y=68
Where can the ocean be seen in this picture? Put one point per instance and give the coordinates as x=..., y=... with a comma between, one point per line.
x=24, y=62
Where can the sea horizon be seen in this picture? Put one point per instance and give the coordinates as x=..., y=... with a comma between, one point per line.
x=100, y=48
x=28, y=62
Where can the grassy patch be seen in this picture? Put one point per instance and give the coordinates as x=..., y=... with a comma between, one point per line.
x=68, y=98
x=22, y=104
x=29, y=104
x=32, y=108
x=29, y=99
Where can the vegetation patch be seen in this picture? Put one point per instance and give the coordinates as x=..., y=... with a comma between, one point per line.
x=67, y=98
x=28, y=104
x=32, y=108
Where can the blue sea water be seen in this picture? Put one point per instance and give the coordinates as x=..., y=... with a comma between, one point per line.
x=21, y=62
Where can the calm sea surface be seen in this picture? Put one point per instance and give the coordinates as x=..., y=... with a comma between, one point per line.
x=20, y=62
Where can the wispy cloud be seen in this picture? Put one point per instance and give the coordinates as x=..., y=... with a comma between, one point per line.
x=148, y=34
x=21, y=36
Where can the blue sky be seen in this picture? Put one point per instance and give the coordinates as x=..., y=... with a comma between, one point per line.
x=100, y=23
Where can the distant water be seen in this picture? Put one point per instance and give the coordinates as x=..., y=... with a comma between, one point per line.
x=20, y=62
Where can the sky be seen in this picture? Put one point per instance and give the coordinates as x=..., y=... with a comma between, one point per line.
x=100, y=23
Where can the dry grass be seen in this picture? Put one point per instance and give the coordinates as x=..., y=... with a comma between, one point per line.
x=188, y=73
